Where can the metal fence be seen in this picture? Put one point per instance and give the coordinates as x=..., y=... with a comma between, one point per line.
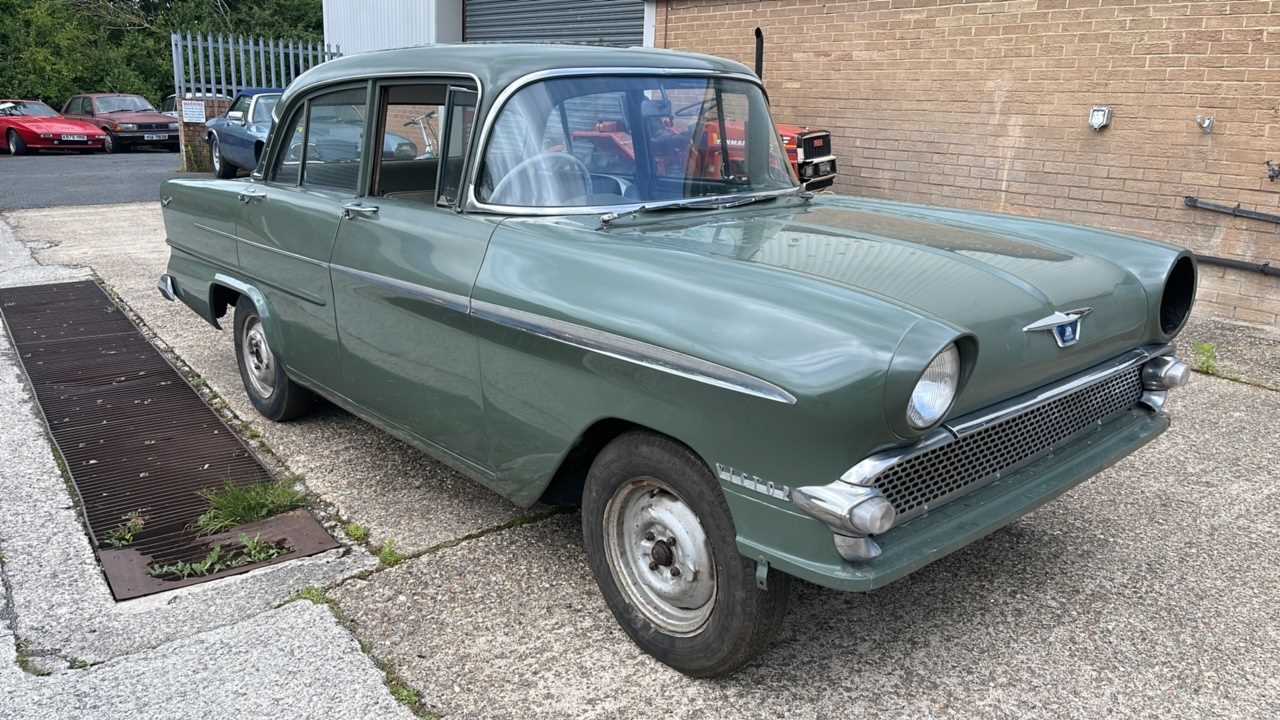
x=208, y=65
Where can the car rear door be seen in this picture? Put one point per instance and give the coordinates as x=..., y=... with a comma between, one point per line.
x=288, y=224
x=403, y=268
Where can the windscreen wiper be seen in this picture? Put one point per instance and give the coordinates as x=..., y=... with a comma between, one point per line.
x=694, y=204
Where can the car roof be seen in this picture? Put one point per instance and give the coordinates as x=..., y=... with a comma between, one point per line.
x=250, y=92
x=497, y=65
x=110, y=94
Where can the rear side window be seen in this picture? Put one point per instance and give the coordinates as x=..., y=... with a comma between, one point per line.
x=334, y=140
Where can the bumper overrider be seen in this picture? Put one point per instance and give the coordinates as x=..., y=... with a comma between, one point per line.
x=899, y=510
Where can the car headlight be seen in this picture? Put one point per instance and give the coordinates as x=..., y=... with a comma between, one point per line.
x=127, y=126
x=935, y=390
x=173, y=126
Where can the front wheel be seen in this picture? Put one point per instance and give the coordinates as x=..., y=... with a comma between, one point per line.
x=16, y=145
x=270, y=390
x=109, y=144
x=662, y=546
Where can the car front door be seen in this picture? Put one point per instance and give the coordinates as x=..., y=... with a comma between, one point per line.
x=403, y=268
x=237, y=146
x=289, y=221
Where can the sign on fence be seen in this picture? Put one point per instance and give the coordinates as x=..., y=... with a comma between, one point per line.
x=207, y=66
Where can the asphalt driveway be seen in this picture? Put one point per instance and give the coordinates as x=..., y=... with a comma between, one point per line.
x=61, y=179
x=1151, y=591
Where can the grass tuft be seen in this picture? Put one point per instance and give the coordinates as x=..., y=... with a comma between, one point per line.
x=233, y=505
x=357, y=532
x=388, y=555
x=1206, y=357
x=403, y=694
x=126, y=532
x=219, y=558
x=314, y=594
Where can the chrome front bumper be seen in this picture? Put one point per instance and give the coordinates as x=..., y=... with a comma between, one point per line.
x=1144, y=376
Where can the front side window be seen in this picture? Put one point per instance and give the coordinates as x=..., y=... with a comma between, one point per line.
x=121, y=103
x=26, y=108
x=335, y=140
x=602, y=141
x=263, y=108
x=240, y=105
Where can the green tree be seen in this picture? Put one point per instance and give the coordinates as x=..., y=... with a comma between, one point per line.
x=52, y=49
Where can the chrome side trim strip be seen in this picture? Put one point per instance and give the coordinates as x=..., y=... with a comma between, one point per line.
x=632, y=351
x=441, y=298
x=215, y=231
x=285, y=253
x=1036, y=398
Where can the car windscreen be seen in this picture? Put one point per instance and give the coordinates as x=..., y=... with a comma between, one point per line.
x=26, y=109
x=606, y=141
x=121, y=103
x=262, y=110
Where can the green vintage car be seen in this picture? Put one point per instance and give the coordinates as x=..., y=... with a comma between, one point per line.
x=584, y=297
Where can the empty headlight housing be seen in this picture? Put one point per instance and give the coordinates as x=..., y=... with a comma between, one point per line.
x=935, y=390
x=1178, y=296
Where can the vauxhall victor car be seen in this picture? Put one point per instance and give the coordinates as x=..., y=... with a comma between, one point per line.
x=738, y=381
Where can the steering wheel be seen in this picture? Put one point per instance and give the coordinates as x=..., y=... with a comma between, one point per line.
x=549, y=191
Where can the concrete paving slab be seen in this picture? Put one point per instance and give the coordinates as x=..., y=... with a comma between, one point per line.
x=1245, y=351
x=369, y=477
x=293, y=662
x=1148, y=592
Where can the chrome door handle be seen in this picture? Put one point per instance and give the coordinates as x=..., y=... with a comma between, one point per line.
x=354, y=210
x=248, y=196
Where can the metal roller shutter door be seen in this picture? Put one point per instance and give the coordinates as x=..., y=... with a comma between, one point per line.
x=595, y=22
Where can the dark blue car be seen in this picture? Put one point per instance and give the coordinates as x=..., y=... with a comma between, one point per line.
x=236, y=138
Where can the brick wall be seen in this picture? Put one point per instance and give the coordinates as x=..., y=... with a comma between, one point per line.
x=194, y=147
x=984, y=104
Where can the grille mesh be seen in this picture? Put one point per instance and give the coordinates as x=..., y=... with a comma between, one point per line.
x=919, y=481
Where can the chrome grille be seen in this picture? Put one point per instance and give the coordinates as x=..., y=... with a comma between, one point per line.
x=921, y=481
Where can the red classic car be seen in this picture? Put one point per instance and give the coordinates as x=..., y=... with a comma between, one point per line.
x=128, y=120
x=27, y=125
x=686, y=139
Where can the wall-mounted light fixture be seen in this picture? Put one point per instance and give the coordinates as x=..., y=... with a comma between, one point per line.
x=1205, y=123
x=1100, y=116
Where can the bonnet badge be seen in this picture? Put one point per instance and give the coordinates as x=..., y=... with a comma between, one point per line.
x=1065, y=326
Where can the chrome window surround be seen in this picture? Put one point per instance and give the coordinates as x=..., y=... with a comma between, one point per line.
x=866, y=472
x=472, y=204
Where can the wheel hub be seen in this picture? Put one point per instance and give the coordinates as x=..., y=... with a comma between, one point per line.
x=258, y=359
x=660, y=556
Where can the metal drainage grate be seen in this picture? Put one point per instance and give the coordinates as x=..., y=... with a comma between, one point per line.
x=134, y=436
x=921, y=481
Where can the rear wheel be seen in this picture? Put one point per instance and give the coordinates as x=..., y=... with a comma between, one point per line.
x=270, y=390
x=663, y=550
x=221, y=168
x=16, y=145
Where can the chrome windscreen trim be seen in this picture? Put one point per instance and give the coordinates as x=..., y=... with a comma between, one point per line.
x=473, y=204
x=632, y=351
x=441, y=298
x=1036, y=398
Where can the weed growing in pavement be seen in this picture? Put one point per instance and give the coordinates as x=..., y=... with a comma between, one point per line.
x=388, y=556
x=1206, y=358
x=219, y=558
x=126, y=532
x=357, y=532
x=313, y=594
x=233, y=505
x=403, y=694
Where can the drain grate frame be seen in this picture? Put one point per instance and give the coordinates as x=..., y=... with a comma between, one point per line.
x=134, y=435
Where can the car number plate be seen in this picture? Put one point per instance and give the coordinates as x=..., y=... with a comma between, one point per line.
x=74, y=137
x=155, y=137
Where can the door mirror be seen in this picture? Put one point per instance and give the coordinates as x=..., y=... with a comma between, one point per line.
x=236, y=116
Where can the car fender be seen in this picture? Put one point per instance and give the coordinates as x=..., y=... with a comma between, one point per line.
x=256, y=296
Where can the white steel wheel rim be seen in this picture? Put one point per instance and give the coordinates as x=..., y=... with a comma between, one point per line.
x=10, y=139
x=659, y=556
x=217, y=155
x=259, y=362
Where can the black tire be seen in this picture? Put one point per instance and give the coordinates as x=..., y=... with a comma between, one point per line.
x=111, y=145
x=286, y=399
x=222, y=169
x=743, y=618
x=16, y=145
x=174, y=147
